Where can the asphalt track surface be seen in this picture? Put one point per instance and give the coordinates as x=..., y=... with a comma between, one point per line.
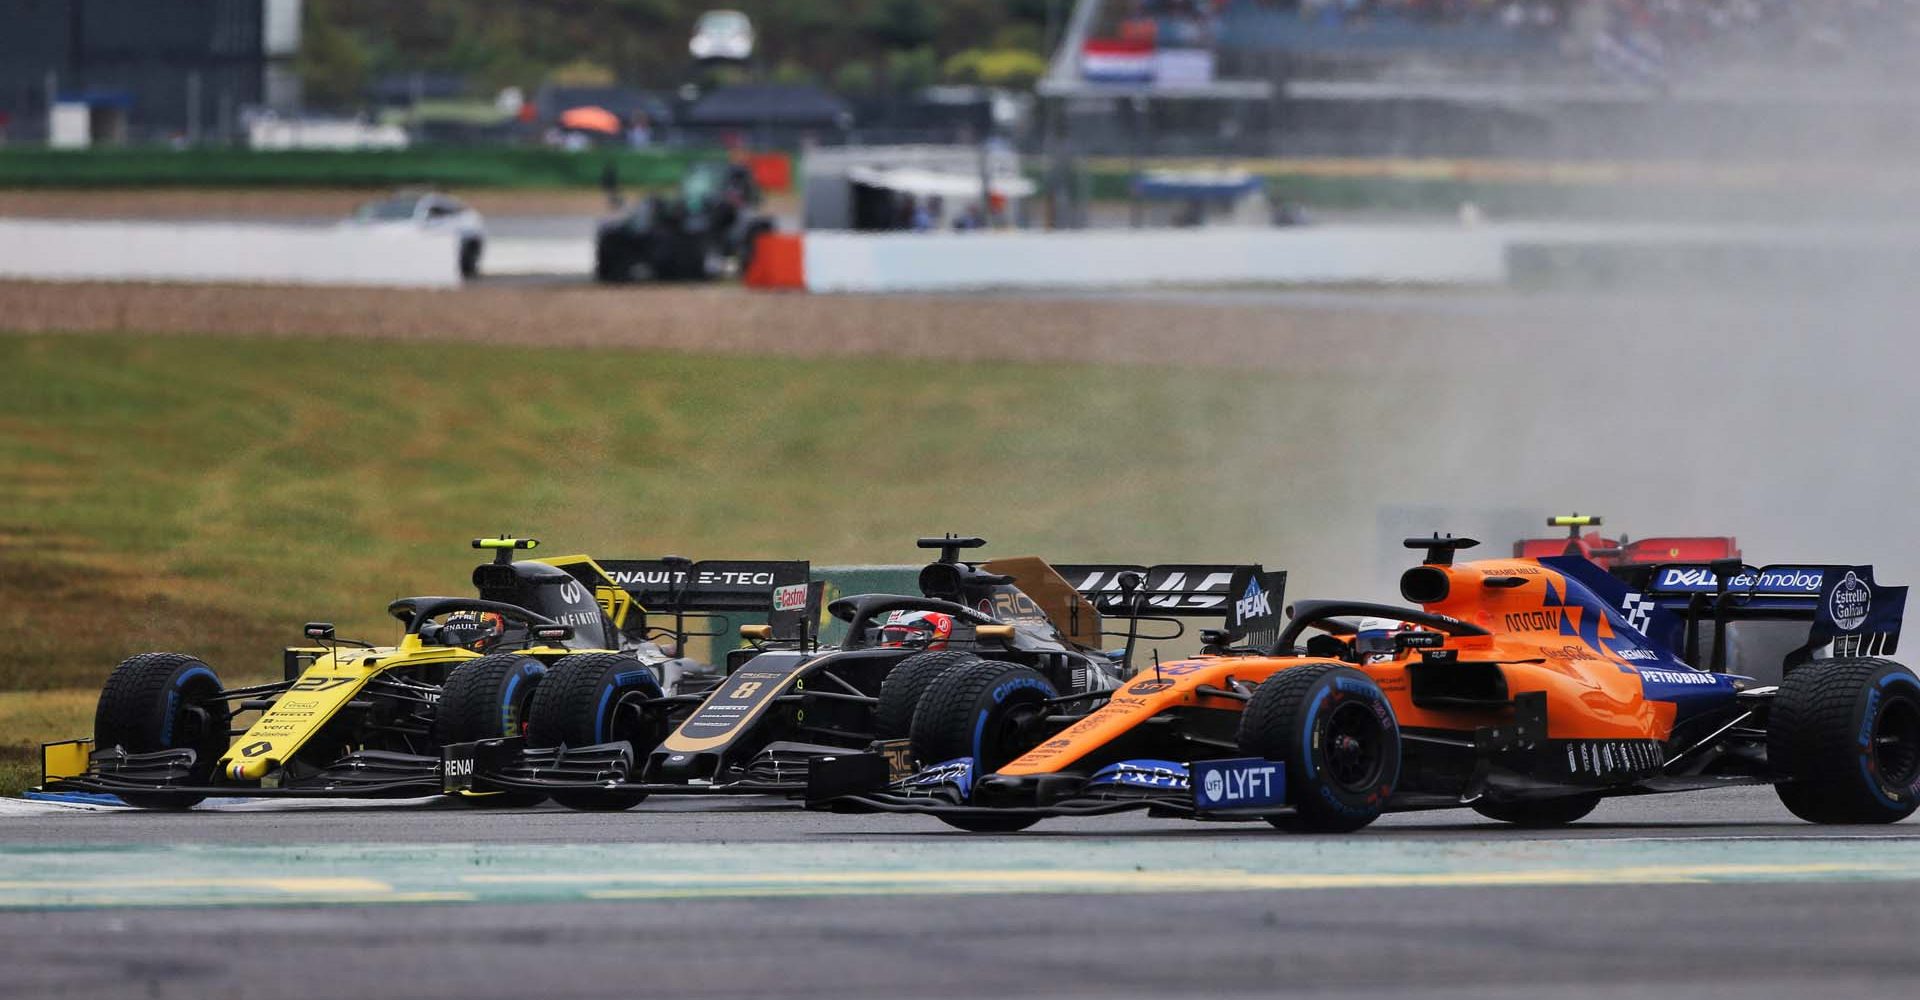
x=1714, y=894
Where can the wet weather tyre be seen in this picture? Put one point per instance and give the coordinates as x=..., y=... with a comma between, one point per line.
x=486, y=699
x=1539, y=814
x=1336, y=733
x=990, y=824
x=1844, y=737
x=578, y=706
x=990, y=711
x=164, y=701
x=905, y=684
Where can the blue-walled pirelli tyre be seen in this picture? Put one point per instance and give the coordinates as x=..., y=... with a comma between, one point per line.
x=1336, y=732
x=1844, y=737
x=164, y=701
x=578, y=705
x=990, y=711
x=906, y=684
x=486, y=699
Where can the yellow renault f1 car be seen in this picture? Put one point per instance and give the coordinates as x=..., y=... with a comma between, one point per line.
x=351, y=718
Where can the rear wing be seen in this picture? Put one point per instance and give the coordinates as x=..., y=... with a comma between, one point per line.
x=1197, y=590
x=711, y=585
x=1846, y=608
x=718, y=587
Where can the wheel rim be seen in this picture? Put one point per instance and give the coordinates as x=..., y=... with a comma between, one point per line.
x=1355, y=747
x=1896, y=742
x=1012, y=736
x=635, y=725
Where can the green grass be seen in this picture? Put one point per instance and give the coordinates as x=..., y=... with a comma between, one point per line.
x=208, y=495
x=29, y=718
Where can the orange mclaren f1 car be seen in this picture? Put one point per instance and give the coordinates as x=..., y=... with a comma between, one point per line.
x=1524, y=689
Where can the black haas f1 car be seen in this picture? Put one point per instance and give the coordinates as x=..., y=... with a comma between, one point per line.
x=606, y=740
x=1631, y=560
x=353, y=719
x=1527, y=690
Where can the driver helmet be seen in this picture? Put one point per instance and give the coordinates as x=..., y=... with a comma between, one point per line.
x=921, y=629
x=475, y=630
x=1373, y=643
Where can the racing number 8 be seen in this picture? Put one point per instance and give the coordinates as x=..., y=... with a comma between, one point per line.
x=745, y=690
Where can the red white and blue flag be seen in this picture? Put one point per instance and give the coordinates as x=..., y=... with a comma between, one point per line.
x=1117, y=61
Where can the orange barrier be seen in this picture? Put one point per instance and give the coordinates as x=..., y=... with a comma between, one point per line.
x=772, y=171
x=779, y=261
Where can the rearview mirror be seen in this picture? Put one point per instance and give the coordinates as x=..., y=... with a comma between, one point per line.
x=553, y=633
x=1000, y=632
x=756, y=633
x=319, y=631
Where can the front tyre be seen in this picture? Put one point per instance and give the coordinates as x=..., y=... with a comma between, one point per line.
x=1844, y=738
x=1539, y=814
x=580, y=704
x=1336, y=732
x=990, y=711
x=486, y=699
x=164, y=701
x=906, y=684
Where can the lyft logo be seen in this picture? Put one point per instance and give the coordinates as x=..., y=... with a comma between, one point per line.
x=1239, y=784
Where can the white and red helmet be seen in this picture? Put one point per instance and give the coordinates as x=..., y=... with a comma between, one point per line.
x=918, y=629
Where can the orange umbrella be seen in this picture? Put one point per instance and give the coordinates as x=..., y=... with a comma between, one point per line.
x=590, y=119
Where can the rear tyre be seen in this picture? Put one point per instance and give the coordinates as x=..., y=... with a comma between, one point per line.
x=486, y=699
x=164, y=701
x=579, y=705
x=1844, y=737
x=1336, y=732
x=904, y=685
x=1539, y=814
x=990, y=711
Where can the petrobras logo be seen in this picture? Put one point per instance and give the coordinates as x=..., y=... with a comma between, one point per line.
x=1678, y=677
x=1850, y=603
x=790, y=598
x=1255, y=603
x=1247, y=783
x=1782, y=580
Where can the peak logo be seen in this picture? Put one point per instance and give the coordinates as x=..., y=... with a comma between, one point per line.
x=1255, y=603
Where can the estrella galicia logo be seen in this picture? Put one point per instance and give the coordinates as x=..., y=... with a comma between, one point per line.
x=1254, y=603
x=1850, y=603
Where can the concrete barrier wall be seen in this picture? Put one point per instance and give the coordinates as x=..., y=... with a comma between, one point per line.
x=61, y=250
x=887, y=262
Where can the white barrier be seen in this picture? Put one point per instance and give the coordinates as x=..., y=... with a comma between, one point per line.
x=61, y=250
x=887, y=262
